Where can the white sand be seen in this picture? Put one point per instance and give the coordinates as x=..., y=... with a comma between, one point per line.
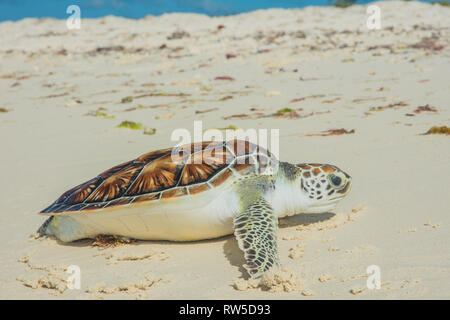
x=400, y=178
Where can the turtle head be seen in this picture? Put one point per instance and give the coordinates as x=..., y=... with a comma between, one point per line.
x=322, y=186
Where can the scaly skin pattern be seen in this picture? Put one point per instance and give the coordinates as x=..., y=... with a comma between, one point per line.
x=256, y=233
x=264, y=198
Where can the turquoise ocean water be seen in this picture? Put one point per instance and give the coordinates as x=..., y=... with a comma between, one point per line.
x=19, y=9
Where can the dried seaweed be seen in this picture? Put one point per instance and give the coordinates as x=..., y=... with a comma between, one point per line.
x=442, y=3
x=307, y=97
x=130, y=125
x=429, y=43
x=389, y=106
x=438, y=130
x=100, y=113
x=343, y=4
x=286, y=113
x=162, y=94
x=332, y=132
x=256, y=115
x=230, y=127
x=205, y=111
x=226, y=98
x=237, y=116
x=297, y=100
x=425, y=108
x=149, y=131
x=127, y=99
x=55, y=95
x=231, y=55
x=110, y=241
x=331, y=101
x=226, y=78
x=179, y=34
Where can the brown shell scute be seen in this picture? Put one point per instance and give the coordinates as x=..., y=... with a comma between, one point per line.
x=219, y=179
x=174, y=193
x=82, y=192
x=116, y=184
x=115, y=169
x=198, y=188
x=241, y=147
x=147, y=197
x=168, y=173
x=159, y=174
x=146, y=158
x=119, y=202
x=202, y=165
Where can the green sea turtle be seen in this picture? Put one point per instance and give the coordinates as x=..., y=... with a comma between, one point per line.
x=198, y=191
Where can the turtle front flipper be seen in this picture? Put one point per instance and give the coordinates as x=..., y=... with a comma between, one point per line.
x=256, y=232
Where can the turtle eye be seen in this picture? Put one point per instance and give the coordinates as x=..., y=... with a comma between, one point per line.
x=335, y=180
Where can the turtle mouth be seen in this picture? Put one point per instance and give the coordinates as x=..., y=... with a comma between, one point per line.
x=323, y=207
x=329, y=203
x=337, y=199
x=320, y=208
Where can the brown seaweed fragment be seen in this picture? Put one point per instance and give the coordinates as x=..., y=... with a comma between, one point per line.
x=237, y=116
x=179, y=34
x=127, y=99
x=425, y=108
x=331, y=100
x=429, y=43
x=100, y=113
x=226, y=98
x=307, y=97
x=110, y=241
x=55, y=95
x=256, y=115
x=389, y=106
x=438, y=130
x=332, y=132
x=286, y=113
x=226, y=78
x=205, y=111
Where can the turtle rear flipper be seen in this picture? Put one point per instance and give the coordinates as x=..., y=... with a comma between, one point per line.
x=65, y=228
x=256, y=232
x=42, y=231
